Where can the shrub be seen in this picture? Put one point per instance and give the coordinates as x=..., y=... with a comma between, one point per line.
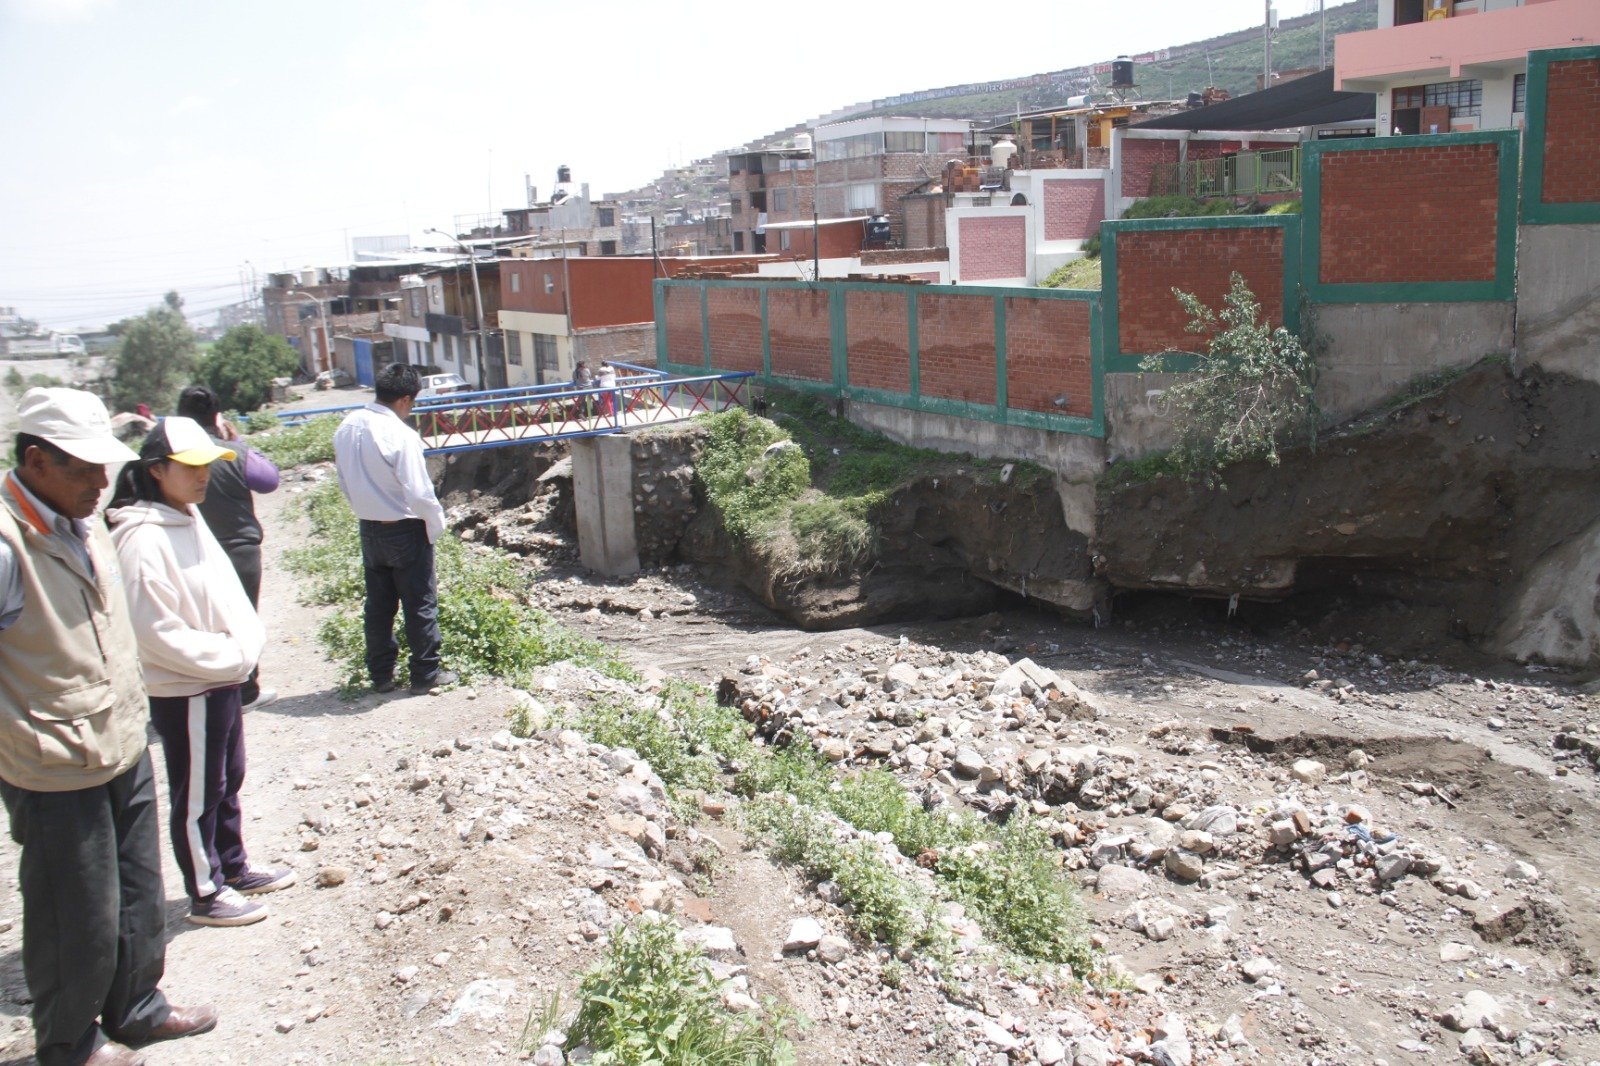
x=1251, y=394
x=240, y=367
x=308, y=442
x=652, y=1001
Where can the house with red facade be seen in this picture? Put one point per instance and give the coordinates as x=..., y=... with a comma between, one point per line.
x=555, y=312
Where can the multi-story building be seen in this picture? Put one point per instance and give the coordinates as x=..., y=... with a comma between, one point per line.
x=866, y=166
x=438, y=324
x=569, y=219
x=768, y=186
x=1443, y=65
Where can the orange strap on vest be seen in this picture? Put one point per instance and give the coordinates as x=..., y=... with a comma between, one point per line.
x=25, y=505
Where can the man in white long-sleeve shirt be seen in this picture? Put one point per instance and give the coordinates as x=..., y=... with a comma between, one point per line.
x=385, y=477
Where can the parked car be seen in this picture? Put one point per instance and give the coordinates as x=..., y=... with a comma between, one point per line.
x=442, y=385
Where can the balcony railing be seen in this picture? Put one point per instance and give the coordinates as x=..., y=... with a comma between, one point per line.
x=1245, y=174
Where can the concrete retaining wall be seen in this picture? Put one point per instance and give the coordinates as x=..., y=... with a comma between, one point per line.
x=1558, y=303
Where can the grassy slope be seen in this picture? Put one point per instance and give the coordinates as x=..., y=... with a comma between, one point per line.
x=1233, y=67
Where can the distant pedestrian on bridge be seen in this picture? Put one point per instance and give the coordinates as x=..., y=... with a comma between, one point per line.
x=385, y=477
x=607, y=380
x=583, y=378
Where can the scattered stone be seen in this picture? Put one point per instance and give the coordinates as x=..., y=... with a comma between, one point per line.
x=332, y=876
x=1308, y=772
x=286, y=1024
x=833, y=949
x=1256, y=967
x=1121, y=882
x=1184, y=865
x=803, y=935
x=1522, y=871
x=1477, y=1010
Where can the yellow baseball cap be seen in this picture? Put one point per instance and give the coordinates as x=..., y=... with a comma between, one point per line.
x=183, y=441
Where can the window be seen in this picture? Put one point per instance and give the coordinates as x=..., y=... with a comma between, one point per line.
x=605, y=216
x=513, y=346
x=862, y=144
x=608, y=247
x=780, y=199
x=861, y=197
x=1409, y=97
x=784, y=240
x=738, y=242
x=414, y=299
x=902, y=141
x=549, y=284
x=449, y=349
x=466, y=352
x=1463, y=98
x=544, y=352
x=1519, y=94
x=516, y=281
x=735, y=206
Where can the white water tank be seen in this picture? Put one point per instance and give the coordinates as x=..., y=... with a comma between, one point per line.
x=308, y=275
x=802, y=142
x=1002, y=151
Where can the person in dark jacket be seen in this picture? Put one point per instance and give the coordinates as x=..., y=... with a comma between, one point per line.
x=229, y=508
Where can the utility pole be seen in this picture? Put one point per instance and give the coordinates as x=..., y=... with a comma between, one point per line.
x=1266, y=48
x=1322, y=33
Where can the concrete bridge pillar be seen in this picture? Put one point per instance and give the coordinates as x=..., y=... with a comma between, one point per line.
x=602, y=492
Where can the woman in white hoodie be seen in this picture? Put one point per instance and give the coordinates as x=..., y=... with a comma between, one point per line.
x=199, y=639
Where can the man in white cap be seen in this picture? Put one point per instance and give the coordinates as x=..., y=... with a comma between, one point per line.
x=74, y=763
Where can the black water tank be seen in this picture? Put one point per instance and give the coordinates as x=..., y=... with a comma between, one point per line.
x=563, y=174
x=1122, y=73
x=1196, y=100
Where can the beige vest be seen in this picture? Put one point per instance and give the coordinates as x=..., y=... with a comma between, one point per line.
x=72, y=699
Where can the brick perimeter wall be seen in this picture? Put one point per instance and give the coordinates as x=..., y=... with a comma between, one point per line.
x=877, y=340
x=685, y=342
x=1073, y=208
x=956, y=338
x=1151, y=264
x=735, y=320
x=993, y=248
x=1048, y=356
x=1139, y=159
x=1409, y=214
x=799, y=334
x=1572, y=133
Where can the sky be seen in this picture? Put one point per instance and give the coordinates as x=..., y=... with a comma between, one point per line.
x=160, y=144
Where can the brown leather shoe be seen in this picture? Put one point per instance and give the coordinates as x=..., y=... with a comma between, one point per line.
x=109, y=1054
x=184, y=1021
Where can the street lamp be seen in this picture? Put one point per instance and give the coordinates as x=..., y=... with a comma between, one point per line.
x=327, y=337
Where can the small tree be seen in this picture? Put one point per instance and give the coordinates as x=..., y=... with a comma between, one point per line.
x=240, y=367
x=1251, y=394
x=154, y=358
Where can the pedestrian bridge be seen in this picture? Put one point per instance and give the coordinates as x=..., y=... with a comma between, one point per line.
x=539, y=414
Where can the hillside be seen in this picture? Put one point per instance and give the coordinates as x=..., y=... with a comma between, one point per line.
x=1235, y=63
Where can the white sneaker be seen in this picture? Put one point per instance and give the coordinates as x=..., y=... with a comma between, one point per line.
x=263, y=697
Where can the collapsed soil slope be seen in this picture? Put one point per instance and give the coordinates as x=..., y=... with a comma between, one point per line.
x=1442, y=504
x=948, y=545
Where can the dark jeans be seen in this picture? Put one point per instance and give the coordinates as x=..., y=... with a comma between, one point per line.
x=205, y=821
x=246, y=559
x=398, y=560
x=92, y=921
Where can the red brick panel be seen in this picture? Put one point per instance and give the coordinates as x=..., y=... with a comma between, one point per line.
x=955, y=338
x=1410, y=214
x=878, y=345
x=993, y=248
x=1073, y=208
x=1139, y=159
x=735, y=319
x=1572, y=133
x=1215, y=149
x=685, y=343
x=1047, y=356
x=1151, y=264
x=799, y=334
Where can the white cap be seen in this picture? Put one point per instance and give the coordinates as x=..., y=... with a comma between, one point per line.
x=74, y=421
